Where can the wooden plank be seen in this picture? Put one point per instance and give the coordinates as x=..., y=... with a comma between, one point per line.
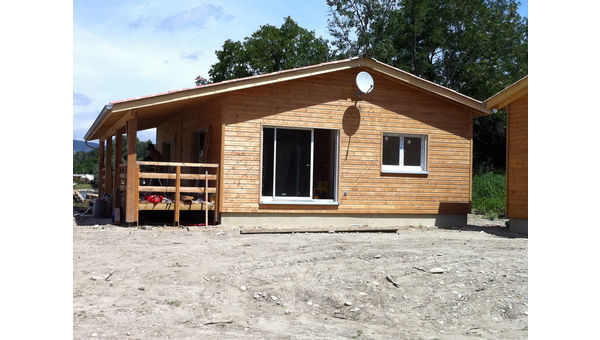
x=177, y=194
x=119, y=125
x=101, y=168
x=160, y=175
x=183, y=206
x=206, y=199
x=284, y=230
x=118, y=175
x=108, y=179
x=219, y=198
x=132, y=182
x=136, y=194
x=143, y=188
x=192, y=165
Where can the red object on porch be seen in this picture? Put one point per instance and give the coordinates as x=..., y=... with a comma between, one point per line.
x=153, y=198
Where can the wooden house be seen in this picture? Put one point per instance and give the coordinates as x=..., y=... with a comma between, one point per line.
x=514, y=100
x=300, y=147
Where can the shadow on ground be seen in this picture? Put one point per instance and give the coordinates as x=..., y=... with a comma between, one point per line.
x=500, y=231
x=87, y=220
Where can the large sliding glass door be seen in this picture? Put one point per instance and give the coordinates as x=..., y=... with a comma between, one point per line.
x=289, y=165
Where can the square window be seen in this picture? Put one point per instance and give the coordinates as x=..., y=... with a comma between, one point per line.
x=403, y=153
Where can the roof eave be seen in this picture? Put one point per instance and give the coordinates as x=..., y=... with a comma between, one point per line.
x=476, y=107
x=98, y=122
x=508, y=95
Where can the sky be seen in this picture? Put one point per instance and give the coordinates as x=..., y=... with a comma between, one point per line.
x=126, y=49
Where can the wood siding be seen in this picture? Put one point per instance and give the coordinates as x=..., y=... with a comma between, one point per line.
x=516, y=169
x=327, y=101
x=179, y=131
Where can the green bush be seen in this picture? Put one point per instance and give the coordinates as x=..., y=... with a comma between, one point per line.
x=489, y=194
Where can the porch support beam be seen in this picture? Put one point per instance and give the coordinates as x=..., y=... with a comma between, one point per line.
x=120, y=124
x=108, y=179
x=101, y=168
x=132, y=180
x=117, y=175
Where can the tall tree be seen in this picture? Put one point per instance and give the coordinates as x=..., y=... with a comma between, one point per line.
x=269, y=49
x=476, y=47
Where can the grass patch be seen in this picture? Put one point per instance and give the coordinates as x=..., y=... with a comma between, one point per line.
x=489, y=194
x=174, y=303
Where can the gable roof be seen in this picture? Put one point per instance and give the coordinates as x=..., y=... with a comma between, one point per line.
x=118, y=109
x=508, y=95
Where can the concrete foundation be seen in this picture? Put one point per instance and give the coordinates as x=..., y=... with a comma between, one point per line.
x=518, y=225
x=340, y=220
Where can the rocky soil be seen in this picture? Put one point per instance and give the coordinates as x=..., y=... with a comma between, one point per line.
x=414, y=284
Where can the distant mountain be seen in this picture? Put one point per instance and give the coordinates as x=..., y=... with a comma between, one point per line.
x=79, y=145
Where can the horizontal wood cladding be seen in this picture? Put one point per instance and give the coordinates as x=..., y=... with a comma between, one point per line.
x=179, y=131
x=328, y=102
x=516, y=163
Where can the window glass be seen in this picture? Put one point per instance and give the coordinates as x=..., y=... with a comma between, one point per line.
x=292, y=166
x=412, y=151
x=267, y=166
x=324, y=163
x=391, y=148
x=289, y=156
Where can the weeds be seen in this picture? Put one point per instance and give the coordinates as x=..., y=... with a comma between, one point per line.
x=489, y=194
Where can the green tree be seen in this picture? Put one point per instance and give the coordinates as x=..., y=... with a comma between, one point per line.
x=87, y=162
x=476, y=47
x=269, y=49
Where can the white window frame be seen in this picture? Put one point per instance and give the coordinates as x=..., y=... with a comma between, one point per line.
x=294, y=199
x=402, y=169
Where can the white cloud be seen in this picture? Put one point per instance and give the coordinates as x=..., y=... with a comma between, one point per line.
x=196, y=17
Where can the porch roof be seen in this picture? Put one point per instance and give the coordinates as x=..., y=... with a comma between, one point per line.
x=155, y=105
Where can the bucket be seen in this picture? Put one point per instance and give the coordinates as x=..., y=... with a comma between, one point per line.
x=100, y=208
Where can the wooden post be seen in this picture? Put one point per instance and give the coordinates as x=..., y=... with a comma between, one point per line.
x=101, y=168
x=136, y=194
x=177, y=198
x=132, y=179
x=206, y=197
x=216, y=206
x=108, y=179
x=117, y=183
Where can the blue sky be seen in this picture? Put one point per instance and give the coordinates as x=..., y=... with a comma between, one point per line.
x=126, y=49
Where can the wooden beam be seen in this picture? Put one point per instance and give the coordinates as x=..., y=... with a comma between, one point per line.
x=117, y=182
x=132, y=182
x=159, y=175
x=220, y=174
x=101, y=168
x=143, y=188
x=119, y=125
x=283, y=230
x=177, y=186
x=206, y=199
x=136, y=208
x=192, y=165
x=108, y=179
x=508, y=95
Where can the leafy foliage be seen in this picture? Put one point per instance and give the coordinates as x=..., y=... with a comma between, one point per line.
x=87, y=162
x=269, y=49
x=489, y=194
x=476, y=47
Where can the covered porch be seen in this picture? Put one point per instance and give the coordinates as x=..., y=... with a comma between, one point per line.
x=186, y=179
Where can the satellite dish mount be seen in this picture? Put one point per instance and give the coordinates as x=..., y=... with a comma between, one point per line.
x=364, y=82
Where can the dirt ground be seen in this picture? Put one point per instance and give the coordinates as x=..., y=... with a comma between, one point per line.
x=168, y=283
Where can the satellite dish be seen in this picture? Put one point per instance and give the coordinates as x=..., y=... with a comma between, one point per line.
x=364, y=82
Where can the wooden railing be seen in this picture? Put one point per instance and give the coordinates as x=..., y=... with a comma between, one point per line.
x=167, y=177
